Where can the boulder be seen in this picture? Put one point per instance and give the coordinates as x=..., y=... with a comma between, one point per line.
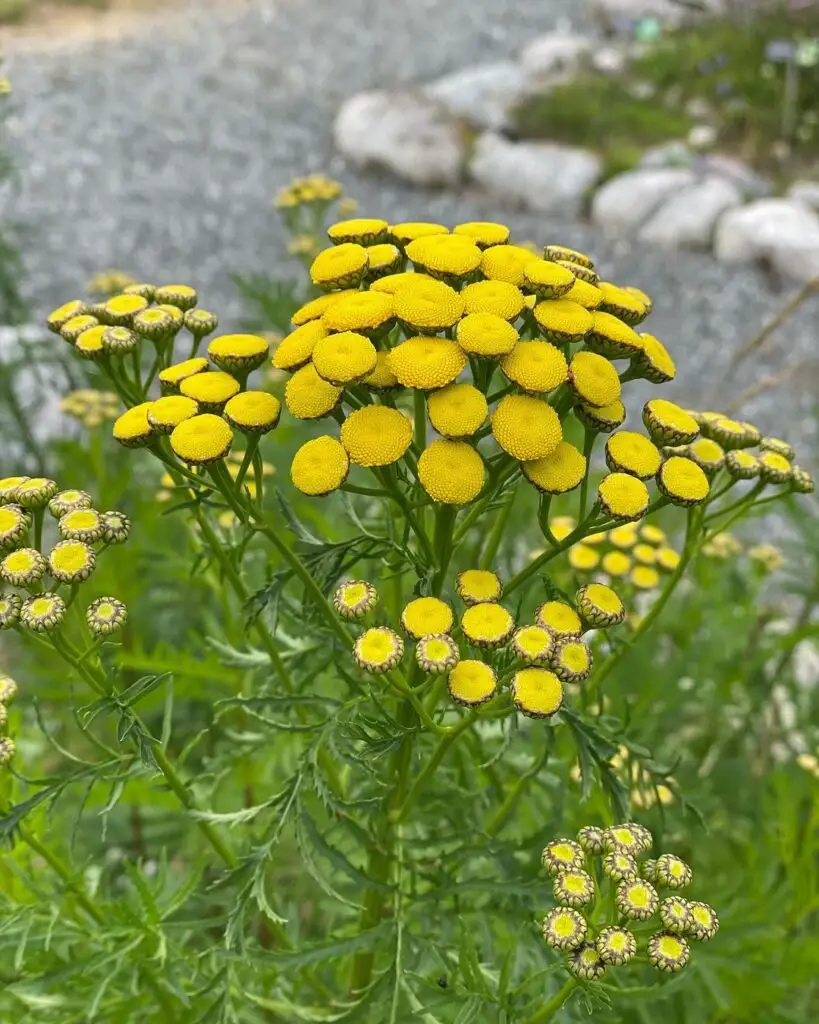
x=555, y=57
x=751, y=184
x=543, y=176
x=627, y=201
x=688, y=219
x=805, y=192
x=483, y=95
x=409, y=134
x=782, y=232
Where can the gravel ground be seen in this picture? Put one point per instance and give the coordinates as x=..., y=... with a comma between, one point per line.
x=158, y=153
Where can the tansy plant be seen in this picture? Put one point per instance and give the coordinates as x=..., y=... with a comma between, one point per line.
x=426, y=667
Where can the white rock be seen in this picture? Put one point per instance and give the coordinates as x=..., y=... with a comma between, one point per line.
x=781, y=231
x=540, y=176
x=408, y=134
x=805, y=192
x=609, y=60
x=668, y=154
x=751, y=184
x=627, y=201
x=702, y=136
x=483, y=95
x=687, y=220
x=555, y=56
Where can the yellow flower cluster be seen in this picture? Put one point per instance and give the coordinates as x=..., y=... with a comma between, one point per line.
x=633, y=554
x=315, y=188
x=110, y=282
x=90, y=407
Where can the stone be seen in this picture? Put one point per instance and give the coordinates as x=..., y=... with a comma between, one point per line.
x=543, y=176
x=805, y=192
x=627, y=201
x=668, y=154
x=688, y=219
x=780, y=232
x=702, y=136
x=751, y=184
x=483, y=96
x=609, y=60
x=408, y=134
x=555, y=56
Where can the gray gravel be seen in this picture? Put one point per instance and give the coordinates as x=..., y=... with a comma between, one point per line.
x=158, y=153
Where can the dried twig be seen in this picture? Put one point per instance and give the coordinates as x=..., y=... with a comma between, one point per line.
x=772, y=380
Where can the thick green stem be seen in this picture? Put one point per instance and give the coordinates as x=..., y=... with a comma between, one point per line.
x=250, y=451
x=549, y=1009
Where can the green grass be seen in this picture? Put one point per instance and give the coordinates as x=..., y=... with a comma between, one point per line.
x=14, y=11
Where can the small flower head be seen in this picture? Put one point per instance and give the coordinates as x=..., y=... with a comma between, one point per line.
x=8, y=489
x=384, y=259
x=210, y=389
x=309, y=397
x=451, y=472
x=668, y=953
x=105, y=615
x=590, y=838
x=475, y=586
x=378, y=649
x=487, y=624
x=483, y=233
x=449, y=258
x=668, y=423
x=571, y=661
x=408, y=231
x=426, y=363
x=645, y=554
x=564, y=928
x=774, y=468
x=367, y=313
x=605, y=419
x=586, y=963
x=619, y=866
x=85, y=524
x=7, y=750
x=675, y=913
x=682, y=481
x=296, y=349
x=202, y=439
x=60, y=316
x=637, y=899
x=77, y=325
x=558, y=472
x=486, y=335
x=526, y=428
x=472, y=683
x=562, y=321
x=120, y=310
x=802, y=481
x=42, y=612
x=537, y=692
x=616, y=564
x=628, y=452
x=667, y=558
x=648, y=870
x=180, y=295
x=132, y=428
x=8, y=689
x=382, y=378
x=562, y=855
x=116, y=527
x=573, y=888
x=547, y=279
x=241, y=352
x=437, y=653
x=672, y=872
x=584, y=291
x=599, y=606
x=623, y=303
x=9, y=615
x=22, y=567
x=506, y=263
x=342, y=266
x=707, y=454
x=583, y=557
x=426, y=616
x=704, y=921
x=376, y=435
x=14, y=524
x=595, y=381
x=623, y=497
x=654, y=362
x=644, y=577
x=168, y=412
x=253, y=412
x=729, y=433
x=35, y=492
x=629, y=838
x=200, y=322
x=496, y=297
x=344, y=358
x=533, y=644
x=457, y=411
x=567, y=255
x=612, y=337
x=71, y=561
x=560, y=619
x=172, y=376
x=426, y=305
x=616, y=946
x=535, y=366
x=320, y=466
x=354, y=598
x=742, y=465
x=155, y=323
x=774, y=444
x=119, y=341
x=364, y=230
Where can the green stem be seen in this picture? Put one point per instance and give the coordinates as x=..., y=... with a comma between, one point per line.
x=420, y=420
x=496, y=536
x=38, y=517
x=394, y=489
x=431, y=766
x=744, y=500
x=252, y=445
x=585, y=529
x=548, y=1010
x=500, y=817
x=589, y=439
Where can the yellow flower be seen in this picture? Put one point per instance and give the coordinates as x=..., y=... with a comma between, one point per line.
x=147, y=291
x=599, y=605
x=612, y=338
x=644, y=577
x=623, y=304
x=483, y=233
x=667, y=558
x=562, y=320
x=729, y=433
x=316, y=308
x=426, y=363
x=437, y=653
x=89, y=344
x=623, y=497
x=615, y=563
x=71, y=561
x=296, y=349
x=364, y=230
x=682, y=481
x=238, y=351
x=347, y=205
x=536, y=366
x=742, y=465
x=525, y=427
x=378, y=650
x=496, y=297
x=561, y=252
x=354, y=598
x=132, y=428
x=594, y=380
x=77, y=325
x=180, y=295
x=802, y=481
x=85, y=524
x=320, y=466
x=105, y=615
x=537, y=692
x=120, y=310
x=200, y=322
x=768, y=555
x=774, y=444
x=22, y=567
x=547, y=280
x=450, y=258
x=583, y=558
x=171, y=377
x=166, y=413
x=57, y=319
x=562, y=526
x=624, y=536
x=382, y=378
x=157, y=323
x=383, y=260
x=486, y=335
x=645, y=554
x=119, y=341
x=451, y=472
x=604, y=419
x=474, y=586
x=707, y=454
x=14, y=524
x=627, y=452
x=42, y=612
x=487, y=624
x=376, y=435
x=558, y=472
x=584, y=294
x=533, y=644
x=366, y=312
x=560, y=618
x=390, y=284
x=457, y=411
x=668, y=423
x=472, y=683
x=410, y=230
x=638, y=293
x=426, y=616
x=774, y=468
x=210, y=389
x=571, y=661
x=344, y=358
x=341, y=266
x=202, y=439
x=654, y=361
x=427, y=305
x=254, y=412
x=506, y=263
x=308, y=396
